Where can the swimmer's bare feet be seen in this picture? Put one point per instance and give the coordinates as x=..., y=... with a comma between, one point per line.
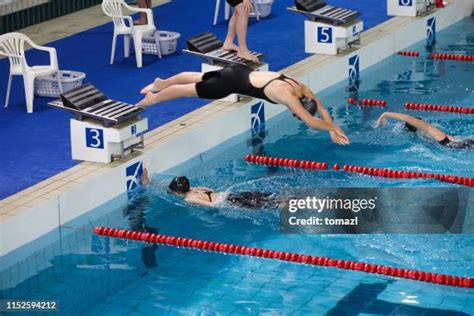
x=231, y=47
x=156, y=86
x=140, y=22
x=248, y=55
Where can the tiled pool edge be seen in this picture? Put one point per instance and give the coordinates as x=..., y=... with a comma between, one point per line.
x=43, y=210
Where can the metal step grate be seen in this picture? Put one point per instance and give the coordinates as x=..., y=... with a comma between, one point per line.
x=209, y=47
x=318, y=10
x=87, y=101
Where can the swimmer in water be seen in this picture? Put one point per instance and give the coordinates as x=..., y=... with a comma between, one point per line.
x=273, y=87
x=207, y=197
x=416, y=124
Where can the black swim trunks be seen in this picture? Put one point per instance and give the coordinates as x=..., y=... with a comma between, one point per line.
x=232, y=79
x=467, y=143
x=234, y=3
x=254, y=200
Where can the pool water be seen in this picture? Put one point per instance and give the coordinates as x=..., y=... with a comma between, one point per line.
x=97, y=275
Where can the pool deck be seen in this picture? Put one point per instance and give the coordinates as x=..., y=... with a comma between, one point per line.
x=83, y=41
x=53, y=187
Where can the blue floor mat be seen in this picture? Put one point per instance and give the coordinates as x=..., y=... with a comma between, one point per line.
x=36, y=146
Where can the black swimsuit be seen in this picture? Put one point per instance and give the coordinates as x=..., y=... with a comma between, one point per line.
x=234, y=3
x=466, y=143
x=209, y=195
x=254, y=200
x=233, y=79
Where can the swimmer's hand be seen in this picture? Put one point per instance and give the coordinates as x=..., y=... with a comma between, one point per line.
x=382, y=119
x=338, y=136
x=148, y=100
x=247, y=5
x=145, y=179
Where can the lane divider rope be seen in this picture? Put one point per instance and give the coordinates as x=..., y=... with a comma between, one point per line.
x=439, y=108
x=398, y=174
x=367, y=102
x=376, y=172
x=416, y=275
x=409, y=54
x=284, y=162
x=457, y=57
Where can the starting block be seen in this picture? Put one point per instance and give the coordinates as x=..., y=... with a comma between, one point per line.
x=102, y=129
x=329, y=29
x=409, y=7
x=208, y=47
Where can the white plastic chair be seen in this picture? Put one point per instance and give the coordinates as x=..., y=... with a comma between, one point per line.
x=12, y=45
x=123, y=25
x=254, y=13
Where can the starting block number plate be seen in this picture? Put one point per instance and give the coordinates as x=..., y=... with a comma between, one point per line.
x=94, y=138
x=405, y=3
x=325, y=35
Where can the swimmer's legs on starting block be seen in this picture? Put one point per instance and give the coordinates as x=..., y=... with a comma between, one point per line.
x=181, y=78
x=238, y=25
x=177, y=86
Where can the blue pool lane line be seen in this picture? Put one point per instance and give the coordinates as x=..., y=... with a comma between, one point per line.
x=36, y=146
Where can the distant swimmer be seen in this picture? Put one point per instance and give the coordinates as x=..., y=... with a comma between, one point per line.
x=273, y=87
x=416, y=124
x=180, y=186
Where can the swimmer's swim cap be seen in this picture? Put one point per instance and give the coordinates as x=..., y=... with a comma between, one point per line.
x=310, y=105
x=411, y=128
x=179, y=185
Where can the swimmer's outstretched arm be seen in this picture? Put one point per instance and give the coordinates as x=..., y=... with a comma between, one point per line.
x=419, y=124
x=337, y=134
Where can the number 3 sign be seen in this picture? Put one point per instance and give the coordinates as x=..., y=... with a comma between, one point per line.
x=94, y=138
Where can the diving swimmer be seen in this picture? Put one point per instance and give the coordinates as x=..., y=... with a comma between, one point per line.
x=181, y=187
x=415, y=124
x=273, y=87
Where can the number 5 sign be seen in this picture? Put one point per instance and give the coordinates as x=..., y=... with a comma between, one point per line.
x=94, y=138
x=324, y=35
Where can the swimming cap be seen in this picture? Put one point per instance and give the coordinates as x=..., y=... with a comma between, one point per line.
x=309, y=104
x=179, y=185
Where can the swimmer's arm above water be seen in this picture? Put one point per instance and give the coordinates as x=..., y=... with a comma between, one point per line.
x=323, y=113
x=337, y=134
x=426, y=128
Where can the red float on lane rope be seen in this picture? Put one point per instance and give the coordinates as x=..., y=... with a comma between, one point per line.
x=457, y=57
x=439, y=108
x=367, y=102
x=397, y=174
x=409, y=54
x=443, y=279
x=283, y=162
x=377, y=172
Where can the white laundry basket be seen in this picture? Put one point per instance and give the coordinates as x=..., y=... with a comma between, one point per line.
x=164, y=40
x=264, y=7
x=48, y=86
